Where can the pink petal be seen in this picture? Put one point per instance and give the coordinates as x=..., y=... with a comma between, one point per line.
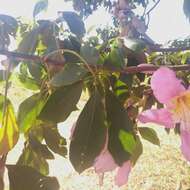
x=165, y=85
x=185, y=144
x=123, y=173
x=104, y=163
x=158, y=116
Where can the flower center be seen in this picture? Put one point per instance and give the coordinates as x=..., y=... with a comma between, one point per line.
x=180, y=109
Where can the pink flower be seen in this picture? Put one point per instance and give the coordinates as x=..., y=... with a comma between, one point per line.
x=168, y=90
x=105, y=163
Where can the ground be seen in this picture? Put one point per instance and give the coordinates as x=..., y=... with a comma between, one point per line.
x=159, y=168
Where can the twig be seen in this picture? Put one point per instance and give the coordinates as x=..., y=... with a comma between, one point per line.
x=150, y=10
x=153, y=7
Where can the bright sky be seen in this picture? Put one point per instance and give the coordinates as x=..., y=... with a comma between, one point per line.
x=167, y=20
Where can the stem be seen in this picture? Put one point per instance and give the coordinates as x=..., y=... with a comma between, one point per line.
x=75, y=54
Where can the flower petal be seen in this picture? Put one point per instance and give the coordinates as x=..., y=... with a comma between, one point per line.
x=158, y=116
x=104, y=163
x=123, y=173
x=165, y=85
x=185, y=144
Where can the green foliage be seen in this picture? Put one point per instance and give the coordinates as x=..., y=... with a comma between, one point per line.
x=9, y=129
x=24, y=177
x=89, y=134
x=41, y=5
x=61, y=103
x=54, y=141
x=28, y=112
x=70, y=74
x=150, y=135
x=118, y=121
x=8, y=27
x=74, y=22
x=186, y=8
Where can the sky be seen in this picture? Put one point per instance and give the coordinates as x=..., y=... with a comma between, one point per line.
x=167, y=20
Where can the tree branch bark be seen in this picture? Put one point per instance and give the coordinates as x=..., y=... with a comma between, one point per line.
x=131, y=69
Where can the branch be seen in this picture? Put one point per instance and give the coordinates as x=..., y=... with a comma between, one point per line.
x=153, y=7
x=150, y=10
x=131, y=69
x=22, y=56
x=175, y=49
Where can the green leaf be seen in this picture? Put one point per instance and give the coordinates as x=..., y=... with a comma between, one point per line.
x=74, y=22
x=10, y=24
x=23, y=177
x=31, y=158
x=150, y=135
x=29, y=42
x=29, y=110
x=116, y=57
x=40, y=6
x=133, y=44
x=186, y=8
x=54, y=140
x=128, y=141
x=89, y=134
x=36, y=70
x=138, y=150
x=118, y=120
x=40, y=149
x=25, y=81
x=61, y=103
x=70, y=74
x=89, y=53
x=8, y=127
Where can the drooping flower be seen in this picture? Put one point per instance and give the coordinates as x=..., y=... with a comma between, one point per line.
x=168, y=90
x=105, y=163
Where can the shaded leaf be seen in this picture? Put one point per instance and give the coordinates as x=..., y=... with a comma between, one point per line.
x=40, y=6
x=186, y=8
x=70, y=74
x=29, y=110
x=40, y=149
x=23, y=177
x=61, y=103
x=138, y=150
x=150, y=135
x=74, y=22
x=118, y=120
x=54, y=140
x=29, y=42
x=136, y=45
x=30, y=158
x=89, y=53
x=116, y=57
x=10, y=24
x=89, y=134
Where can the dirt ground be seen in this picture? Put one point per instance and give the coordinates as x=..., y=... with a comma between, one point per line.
x=159, y=168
